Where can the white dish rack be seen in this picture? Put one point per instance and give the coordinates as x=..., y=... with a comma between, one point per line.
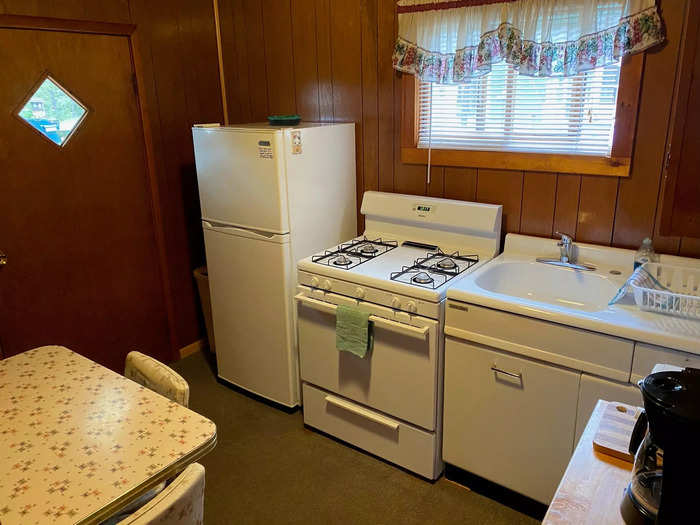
x=666, y=289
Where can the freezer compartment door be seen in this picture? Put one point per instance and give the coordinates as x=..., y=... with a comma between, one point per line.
x=250, y=283
x=241, y=178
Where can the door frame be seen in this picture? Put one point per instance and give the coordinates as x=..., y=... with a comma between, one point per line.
x=131, y=33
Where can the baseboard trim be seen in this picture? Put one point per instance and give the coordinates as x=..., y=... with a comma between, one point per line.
x=193, y=348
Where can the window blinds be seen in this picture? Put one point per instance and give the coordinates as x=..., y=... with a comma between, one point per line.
x=505, y=111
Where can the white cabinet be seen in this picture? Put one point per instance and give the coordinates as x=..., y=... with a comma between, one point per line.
x=599, y=354
x=517, y=427
x=594, y=388
x=508, y=419
x=646, y=356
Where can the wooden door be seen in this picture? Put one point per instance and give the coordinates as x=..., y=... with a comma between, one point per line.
x=76, y=221
x=680, y=212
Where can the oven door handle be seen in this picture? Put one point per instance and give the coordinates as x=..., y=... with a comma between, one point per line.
x=419, y=332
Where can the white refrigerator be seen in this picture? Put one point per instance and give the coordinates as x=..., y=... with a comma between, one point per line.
x=269, y=197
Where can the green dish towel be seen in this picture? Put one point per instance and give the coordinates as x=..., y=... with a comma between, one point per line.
x=353, y=331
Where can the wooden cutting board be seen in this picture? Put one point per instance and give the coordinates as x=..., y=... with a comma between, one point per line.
x=615, y=429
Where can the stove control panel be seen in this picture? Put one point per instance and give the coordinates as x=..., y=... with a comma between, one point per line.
x=403, y=307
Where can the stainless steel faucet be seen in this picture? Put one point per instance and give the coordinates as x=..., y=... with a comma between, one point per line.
x=566, y=248
x=567, y=258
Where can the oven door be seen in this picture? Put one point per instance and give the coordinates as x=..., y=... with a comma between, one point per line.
x=400, y=376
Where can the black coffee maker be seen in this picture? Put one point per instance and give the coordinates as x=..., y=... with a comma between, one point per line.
x=665, y=439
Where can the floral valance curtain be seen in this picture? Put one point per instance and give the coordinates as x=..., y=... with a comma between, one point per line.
x=450, y=41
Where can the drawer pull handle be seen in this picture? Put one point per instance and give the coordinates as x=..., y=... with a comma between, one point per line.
x=376, y=418
x=519, y=375
x=419, y=332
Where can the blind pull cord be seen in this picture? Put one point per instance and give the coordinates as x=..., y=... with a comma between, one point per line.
x=430, y=135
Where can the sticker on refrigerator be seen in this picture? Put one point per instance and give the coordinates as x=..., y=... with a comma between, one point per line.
x=264, y=149
x=296, y=142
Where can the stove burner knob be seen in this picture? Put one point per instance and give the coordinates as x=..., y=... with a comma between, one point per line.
x=395, y=302
x=411, y=307
x=359, y=293
x=326, y=285
x=314, y=282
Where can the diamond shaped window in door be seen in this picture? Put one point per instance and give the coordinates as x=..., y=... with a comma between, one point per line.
x=53, y=111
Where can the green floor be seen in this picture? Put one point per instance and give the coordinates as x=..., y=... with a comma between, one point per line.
x=267, y=468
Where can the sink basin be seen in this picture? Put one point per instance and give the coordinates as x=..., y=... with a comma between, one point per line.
x=563, y=287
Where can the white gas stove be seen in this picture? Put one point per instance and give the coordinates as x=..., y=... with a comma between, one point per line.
x=413, y=249
x=418, y=264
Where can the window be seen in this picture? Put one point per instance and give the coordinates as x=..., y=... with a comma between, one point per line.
x=583, y=124
x=505, y=111
x=53, y=112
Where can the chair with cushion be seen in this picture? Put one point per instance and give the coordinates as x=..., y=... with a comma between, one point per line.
x=162, y=379
x=156, y=376
x=180, y=503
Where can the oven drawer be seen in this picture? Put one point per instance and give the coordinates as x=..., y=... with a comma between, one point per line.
x=386, y=437
x=399, y=376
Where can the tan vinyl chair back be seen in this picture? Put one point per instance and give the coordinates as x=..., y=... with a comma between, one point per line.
x=180, y=503
x=156, y=376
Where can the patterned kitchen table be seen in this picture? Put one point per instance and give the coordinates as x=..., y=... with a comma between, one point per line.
x=78, y=441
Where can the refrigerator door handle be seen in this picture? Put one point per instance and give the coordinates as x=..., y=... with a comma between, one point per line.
x=247, y=232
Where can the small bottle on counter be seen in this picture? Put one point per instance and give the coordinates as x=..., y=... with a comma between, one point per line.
x=645, y=254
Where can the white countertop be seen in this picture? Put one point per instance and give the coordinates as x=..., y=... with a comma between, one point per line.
x=623, y=319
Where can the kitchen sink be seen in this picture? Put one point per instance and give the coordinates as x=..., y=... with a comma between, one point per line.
x=556, y=285
x=515, y=283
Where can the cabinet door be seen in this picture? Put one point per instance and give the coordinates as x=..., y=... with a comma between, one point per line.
x=647, y=356
x=594, y=388
x=680, y=211
x=508, y=419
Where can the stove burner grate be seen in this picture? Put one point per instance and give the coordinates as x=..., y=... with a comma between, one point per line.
x=353, y=253
x=435, y=269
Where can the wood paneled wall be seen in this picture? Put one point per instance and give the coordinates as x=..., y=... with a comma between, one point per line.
x=177, y=44
x=331, y=60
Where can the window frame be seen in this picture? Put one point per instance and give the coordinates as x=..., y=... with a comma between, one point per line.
x=47, y=75
x=617, y=165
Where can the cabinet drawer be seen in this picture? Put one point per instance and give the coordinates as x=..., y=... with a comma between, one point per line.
x=646, y=356
x=386, y=437
x=508, y=419
x=598, y=354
